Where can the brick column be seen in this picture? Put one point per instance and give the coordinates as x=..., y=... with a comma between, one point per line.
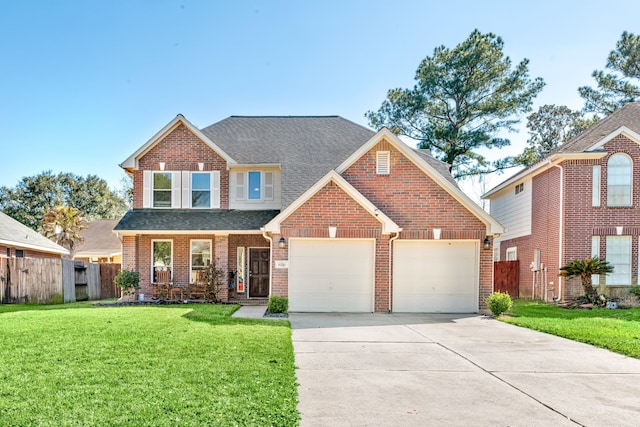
x=221, y=253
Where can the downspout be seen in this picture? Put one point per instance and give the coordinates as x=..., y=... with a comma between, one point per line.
x=561, y=223
x=390, y=262
x=266, y=236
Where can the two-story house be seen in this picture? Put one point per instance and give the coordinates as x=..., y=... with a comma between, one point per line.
x=582, y=199
x=319, y=209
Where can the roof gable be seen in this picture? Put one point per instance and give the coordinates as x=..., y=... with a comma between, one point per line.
x=131, y=162
x=388, y=226
x=433, y=168
x=14, y=233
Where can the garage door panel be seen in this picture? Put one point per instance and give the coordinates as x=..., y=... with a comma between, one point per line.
x=435, y=276
x=328, y=275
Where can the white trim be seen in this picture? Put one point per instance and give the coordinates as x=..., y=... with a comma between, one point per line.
x=512, y=249
x=388, y=226
x=493, y=226
x=131, y=162
x=621, y=130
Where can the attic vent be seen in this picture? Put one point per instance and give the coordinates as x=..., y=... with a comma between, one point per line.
x=383, y=162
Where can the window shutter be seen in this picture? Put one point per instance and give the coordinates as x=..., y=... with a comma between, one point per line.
x=595, y=252
x=595, y=187
x=383, y=162
x=186, y=189
x=240, y=186
x=147, y=178
x=176, y=199
x=215, y=189
x=268, y=185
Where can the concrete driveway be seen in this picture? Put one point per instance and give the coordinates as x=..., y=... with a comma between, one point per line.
x=426, y=370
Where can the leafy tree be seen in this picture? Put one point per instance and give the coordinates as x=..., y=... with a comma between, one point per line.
x=584, y=269
x=462, y=99
x=619, y=86
x=33, y=196
x=549, y=127
x=63, y=224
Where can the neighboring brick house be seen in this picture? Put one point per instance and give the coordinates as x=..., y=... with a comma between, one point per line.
x=319, y=209
x=19, y=241
x=582, y=199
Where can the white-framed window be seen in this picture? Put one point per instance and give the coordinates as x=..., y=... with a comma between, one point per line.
x=162, y=188
x=161, y=257
x=240, y=262
x=595, y=252
x=519, y=188
x=200, y=257
x=512, y=254
x=619, y=256
x=200, y=190
x=595, y=185
x=619, y=177
x=383, y=162
x=254, y=185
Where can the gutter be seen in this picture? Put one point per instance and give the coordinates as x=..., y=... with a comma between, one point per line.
x=390, y=269
x=561, y=227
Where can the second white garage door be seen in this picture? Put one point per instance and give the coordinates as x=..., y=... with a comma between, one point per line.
x=327, y=275
x=435, y=276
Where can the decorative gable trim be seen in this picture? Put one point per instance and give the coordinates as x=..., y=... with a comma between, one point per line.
x=131, y=163
x=493, y=226
x=635, y=137
x=388, y=226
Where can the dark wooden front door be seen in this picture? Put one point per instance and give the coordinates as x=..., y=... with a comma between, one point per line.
x=259, y=273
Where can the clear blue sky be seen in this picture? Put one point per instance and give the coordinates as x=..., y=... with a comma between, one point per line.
x=84, y=83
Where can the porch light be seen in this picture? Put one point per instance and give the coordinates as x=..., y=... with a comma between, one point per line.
x=282, y=243
x=486, y=243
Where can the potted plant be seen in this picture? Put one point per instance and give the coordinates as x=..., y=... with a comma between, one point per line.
x=128, y=281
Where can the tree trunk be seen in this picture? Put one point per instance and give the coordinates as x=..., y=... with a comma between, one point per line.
x=587, y=287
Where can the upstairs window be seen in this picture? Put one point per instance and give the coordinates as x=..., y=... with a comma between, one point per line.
x=595, y=186
x=162, y=189
x=519, y=188
x=383, y=162
x=255, y=186
x=201, y=190
x=619, y=176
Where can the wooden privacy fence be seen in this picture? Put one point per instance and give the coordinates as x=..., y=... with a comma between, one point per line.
x=506, y=277
x=30, y=280
x=42, y=281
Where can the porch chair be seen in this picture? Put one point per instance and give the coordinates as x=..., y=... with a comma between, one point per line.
x=160, y=289
x=198, y=288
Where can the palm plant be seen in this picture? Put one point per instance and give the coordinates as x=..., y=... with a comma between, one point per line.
x=584, y=269
x=63, y=224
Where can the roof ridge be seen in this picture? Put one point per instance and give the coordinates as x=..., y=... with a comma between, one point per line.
x=285, y=117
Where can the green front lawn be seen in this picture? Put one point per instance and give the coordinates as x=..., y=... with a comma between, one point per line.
x=186, y=365
x=617, y=330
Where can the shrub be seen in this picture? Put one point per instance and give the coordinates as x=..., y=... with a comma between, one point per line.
x=127, y=279
x=278, y=304
x=635, y=291
x=498, y=303
x=629, y=301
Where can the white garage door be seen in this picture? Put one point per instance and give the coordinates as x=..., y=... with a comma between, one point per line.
x=435, y=276
x=331, y=275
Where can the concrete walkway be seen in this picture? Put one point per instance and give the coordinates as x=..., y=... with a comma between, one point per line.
x=251, y=311
x=446, y=370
